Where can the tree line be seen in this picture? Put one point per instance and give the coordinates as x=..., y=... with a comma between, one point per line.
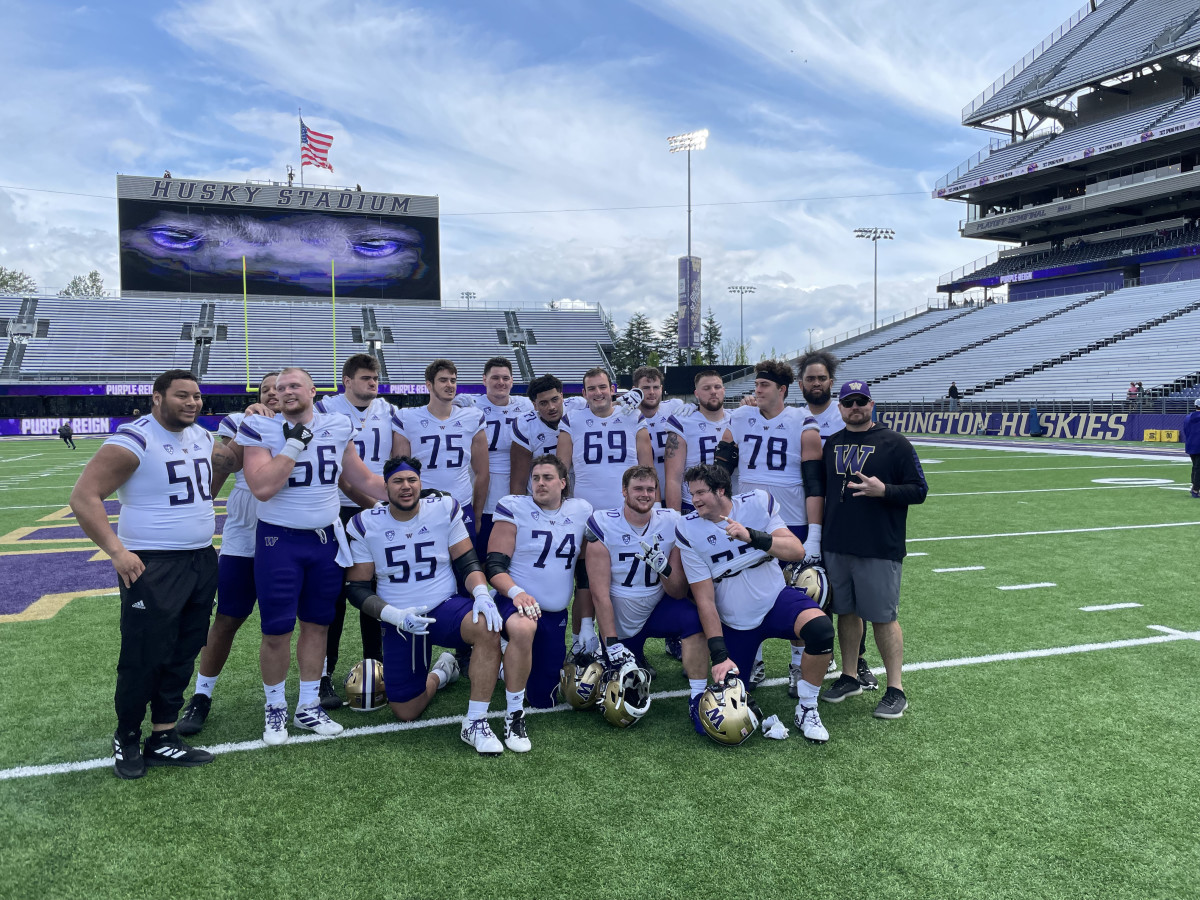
x=639, y=343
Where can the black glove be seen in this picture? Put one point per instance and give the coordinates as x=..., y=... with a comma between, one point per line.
x=297, y=432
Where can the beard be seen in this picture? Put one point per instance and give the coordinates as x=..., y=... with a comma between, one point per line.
x=815, y=397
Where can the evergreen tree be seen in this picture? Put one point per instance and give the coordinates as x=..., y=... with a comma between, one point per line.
x=14, y=281
x=710, y=339
x=636, y=343
x=669, y=351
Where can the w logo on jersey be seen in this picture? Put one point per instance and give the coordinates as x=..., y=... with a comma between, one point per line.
x=850, y=458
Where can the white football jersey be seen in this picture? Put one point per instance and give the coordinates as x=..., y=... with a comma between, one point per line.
x=601, y=450
x=702, y=437
x=241, y=509
x=661, y=424
x=534, y=435
x=548, y=545
x=412, y=559
x=167, y=502
x=373, y=431
x=769, y=455
x=746, y=581
x=573, y=404
x=499, y=422
x=443, y=446
x=309, y=499
x=830, y=422
x=634, y=587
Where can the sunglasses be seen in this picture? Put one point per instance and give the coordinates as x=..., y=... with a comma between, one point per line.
x=855, y=401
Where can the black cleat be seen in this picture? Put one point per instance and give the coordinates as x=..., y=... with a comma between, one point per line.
x=845, y=686
x=893, y=704
x=865, y=678
x=329, y=697
x=195, y=714
x=675, y=648
x=128, y=761
x=166, y=748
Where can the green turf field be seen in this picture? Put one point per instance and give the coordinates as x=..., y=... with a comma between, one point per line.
x=1012, y=775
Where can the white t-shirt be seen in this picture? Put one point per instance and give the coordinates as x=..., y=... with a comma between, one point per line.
x=499, y=422
x=309, y=499
x=412, y=559
x=702, y=437
x=746, y=581
x=634, y=587
x=443, y=446
x=769, y=455
x=373, y=431
x=548, y=544
x=167, y=502
x=601, y=450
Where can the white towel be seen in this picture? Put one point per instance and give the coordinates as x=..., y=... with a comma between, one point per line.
x=344, y=557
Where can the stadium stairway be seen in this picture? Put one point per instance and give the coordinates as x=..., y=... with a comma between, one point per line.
x=1020, y=326
x=18, y=330
x=1088, y=348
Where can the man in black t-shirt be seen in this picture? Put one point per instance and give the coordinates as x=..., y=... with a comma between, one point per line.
x=872, y=476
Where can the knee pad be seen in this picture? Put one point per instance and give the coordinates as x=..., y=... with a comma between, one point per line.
x=817, y=634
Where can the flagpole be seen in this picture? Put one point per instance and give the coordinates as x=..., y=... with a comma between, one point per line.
x=246, y=324
x=300, y=116
x=333, y=297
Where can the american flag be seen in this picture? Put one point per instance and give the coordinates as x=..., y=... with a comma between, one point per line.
x=314, y=147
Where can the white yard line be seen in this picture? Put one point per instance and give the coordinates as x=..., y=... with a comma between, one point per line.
x=973, y=537
x=1106, y=487
x=1047, y=451
x=1170, y=636
x=1025, y=587
x=962, y=569
x=1139, y=465
x=1108, y=606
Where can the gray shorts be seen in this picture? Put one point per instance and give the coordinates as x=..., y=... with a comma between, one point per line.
x=864, y=586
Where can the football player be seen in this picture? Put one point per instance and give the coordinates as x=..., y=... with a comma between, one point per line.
x=450, y=441
x=501, y=411
x=703, y=427
x=293, y=464
x=165, y=563
x=771, y=442
x=727, y=546
x=416, y=549
x=536, y=433
x=661, y=418
x=535, y=544
x=597, y=445
x=372, y=419
x=235, y=565
x=638, y=582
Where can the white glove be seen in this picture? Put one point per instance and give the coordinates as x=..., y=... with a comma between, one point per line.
x=485, y=606
x=630, y=400
x=812, y=546
x=618, y=654
x=655, y=559
x=774, y=729
x=410, y=619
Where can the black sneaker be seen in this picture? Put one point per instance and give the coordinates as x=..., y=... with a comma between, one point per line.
x=128, y=761
x=893, y=704
x=329, y=697
x=166, y=748
x=758, y=674
x=675, y=648
x=194, y=714
x=845, y=686
x=865, y=678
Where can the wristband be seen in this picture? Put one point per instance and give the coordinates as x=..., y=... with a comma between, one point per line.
x=515, y=591
x=716, y=650
x=292, y=449
x=814, y=533
x=760, y=540
x=479, y=592
x=391, y=615
x=609, y=641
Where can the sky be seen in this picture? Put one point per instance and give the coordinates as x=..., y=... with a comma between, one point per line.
x=542, y=127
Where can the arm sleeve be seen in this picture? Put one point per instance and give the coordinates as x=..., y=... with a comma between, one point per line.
x=593, y=532
x=518, y=436
x=910, y=488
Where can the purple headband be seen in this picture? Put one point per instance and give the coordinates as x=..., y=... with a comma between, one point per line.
x=402, y=466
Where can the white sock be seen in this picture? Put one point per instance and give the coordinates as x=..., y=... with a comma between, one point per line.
x=797, y=655
x=442, y=678
x=476, y=709
x=205, y=685
x=587, y=631
x=275, y=693
x=515, y=700
x=758, y=655
x=697, y=685
x=309, y=693
x=325, y=667
x=807, y=694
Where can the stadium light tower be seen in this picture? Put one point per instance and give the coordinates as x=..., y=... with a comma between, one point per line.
x=741, y=290
x=875, y=235
x=686, y=143
x=468, y=296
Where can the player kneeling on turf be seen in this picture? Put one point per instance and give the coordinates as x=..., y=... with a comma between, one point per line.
x=531, y=560
x=414, y=546
x=728, y=547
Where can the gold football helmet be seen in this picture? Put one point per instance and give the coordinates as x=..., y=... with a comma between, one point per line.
x=813, y=581
x=364, y=686
x=626, y=696
x=580, y=682
x=726, y=713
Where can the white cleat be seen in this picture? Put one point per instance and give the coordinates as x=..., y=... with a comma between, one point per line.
x=314, y=718
x=275, y=731
x=448, y=666
x=833, y=666
x=808, y=720
x=516, y=738
x=478, y=733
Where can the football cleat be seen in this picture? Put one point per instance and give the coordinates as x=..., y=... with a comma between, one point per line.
x=626, y=696
x=758, y=674
x=166, y=748
x=794, y=679
x=845, y=686
x=314, y=718
x=813, y=580
x=329, y=696
x=364, y=686
x=478, y=733
x=808, y=720
x=516, y=736
x=726, y=712
x=694, y=712
x=448, y=665
x=195, y=714
x=128, y=761
x=675, y=648
x=865, y=677
x=833, y=666
x=581, y=682
x=275, y=731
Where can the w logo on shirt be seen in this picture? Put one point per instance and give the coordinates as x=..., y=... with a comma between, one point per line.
x=850, y=458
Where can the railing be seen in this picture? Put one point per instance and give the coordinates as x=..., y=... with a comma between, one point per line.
x=997, y=144
x=968, y=268
x=1024, y=62
x=447, y=303
x=563, y=305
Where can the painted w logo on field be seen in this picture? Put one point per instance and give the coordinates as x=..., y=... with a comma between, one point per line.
x=850, y=458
